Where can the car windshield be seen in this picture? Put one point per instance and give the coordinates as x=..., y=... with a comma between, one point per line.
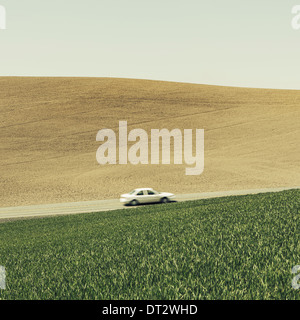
x=131, y=192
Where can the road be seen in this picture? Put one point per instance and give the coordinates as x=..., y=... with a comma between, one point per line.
x=112, y=204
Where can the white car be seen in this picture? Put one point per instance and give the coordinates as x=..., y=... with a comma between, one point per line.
x=145, y=195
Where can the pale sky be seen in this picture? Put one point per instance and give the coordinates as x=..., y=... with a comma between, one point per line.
x=248, y=43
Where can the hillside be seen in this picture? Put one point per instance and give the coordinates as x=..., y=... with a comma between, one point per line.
x=48, y=130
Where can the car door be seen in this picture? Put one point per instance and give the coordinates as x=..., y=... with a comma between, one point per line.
x=141, y=197
x=152, y=196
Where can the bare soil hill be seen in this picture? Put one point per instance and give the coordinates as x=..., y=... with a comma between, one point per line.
x=48, y=130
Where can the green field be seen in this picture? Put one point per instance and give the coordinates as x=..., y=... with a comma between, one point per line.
x=227, y=248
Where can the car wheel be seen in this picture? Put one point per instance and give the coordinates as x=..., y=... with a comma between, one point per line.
x=164, y=200
x=134, y=203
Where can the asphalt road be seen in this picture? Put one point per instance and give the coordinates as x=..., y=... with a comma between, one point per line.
x=112, y=204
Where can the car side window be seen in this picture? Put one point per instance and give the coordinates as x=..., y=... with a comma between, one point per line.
x=140, y=193
x=150, y=192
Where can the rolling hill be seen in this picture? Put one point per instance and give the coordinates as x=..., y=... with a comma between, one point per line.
x=48, y=129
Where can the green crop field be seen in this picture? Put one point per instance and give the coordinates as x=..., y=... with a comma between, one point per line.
x=227, y=248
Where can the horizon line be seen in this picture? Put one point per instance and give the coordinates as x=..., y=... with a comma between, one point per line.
x=145, y=79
